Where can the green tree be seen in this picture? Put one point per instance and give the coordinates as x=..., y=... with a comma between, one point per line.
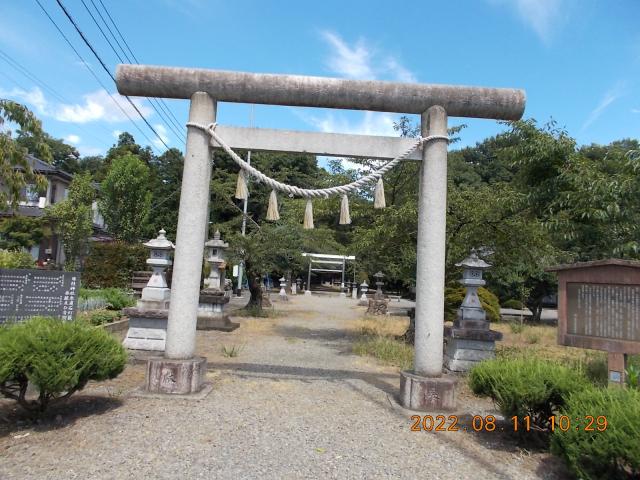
x=22, y=232
x=73, y=220
x=166, y=173
x=15, y=170
x=125, y=199
x=65, y=157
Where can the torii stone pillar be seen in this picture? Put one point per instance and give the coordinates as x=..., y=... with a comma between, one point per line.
x=179, y=372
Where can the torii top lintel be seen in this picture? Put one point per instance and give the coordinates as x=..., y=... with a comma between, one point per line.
x=305, y=91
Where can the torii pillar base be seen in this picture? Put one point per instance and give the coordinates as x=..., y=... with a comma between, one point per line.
x=427, y=394
x=175, y=377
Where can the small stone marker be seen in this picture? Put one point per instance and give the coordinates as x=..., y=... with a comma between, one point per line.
x=599, y=308
x=470, y=340
x=26, y=293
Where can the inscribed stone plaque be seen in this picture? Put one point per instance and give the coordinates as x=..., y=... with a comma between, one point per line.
x=604, y=310
x=30, y=293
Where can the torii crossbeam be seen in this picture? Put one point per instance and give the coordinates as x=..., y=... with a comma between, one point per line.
x=423, y=388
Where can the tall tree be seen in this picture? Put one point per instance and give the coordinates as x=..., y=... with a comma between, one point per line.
x=64, y=156
x=125, y=199
x=15, y=170
x=73, y=220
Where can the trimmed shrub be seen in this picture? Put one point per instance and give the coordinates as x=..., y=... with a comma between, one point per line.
x=99, y=317
x=453, y=297
x=513, y=303
x=614, y=452
x=58, y=358
x=527, y=387
x=113, y=264
x=15, y=259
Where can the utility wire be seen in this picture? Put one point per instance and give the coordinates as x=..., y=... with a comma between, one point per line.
x=151, y=101
x=162, y=102
x=104, y=66
x=95, y=76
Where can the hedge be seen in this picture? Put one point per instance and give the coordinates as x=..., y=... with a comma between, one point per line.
x=15, y=259
x=113, y=264
x=612, y=453
x=453, y=297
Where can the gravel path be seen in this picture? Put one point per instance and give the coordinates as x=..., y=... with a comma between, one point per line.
x=294, y=404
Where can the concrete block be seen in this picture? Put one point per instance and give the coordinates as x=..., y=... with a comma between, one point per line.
x=460, y=343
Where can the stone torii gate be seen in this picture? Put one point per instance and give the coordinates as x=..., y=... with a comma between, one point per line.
x=179, y=372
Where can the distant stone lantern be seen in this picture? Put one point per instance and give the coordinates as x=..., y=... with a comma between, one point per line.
x=364, y=288
x=216, y=258
x=298, y=284
x=159, y=260
x=379, y=283
x=283, y=292
x=470, y=340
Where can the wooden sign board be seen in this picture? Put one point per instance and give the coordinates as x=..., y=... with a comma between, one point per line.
x=599, y=307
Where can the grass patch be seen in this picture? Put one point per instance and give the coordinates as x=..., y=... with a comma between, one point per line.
x=386, y=349
x=232, y=351
x=382, y=326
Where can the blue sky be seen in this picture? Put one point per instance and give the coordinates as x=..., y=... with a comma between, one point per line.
x=579, y=61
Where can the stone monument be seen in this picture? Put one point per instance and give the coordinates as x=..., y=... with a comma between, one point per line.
x=214, y=297
x=470, y=340
x=148, y=319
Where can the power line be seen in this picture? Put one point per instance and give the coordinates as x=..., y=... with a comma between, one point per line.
x=103, y=65
x=95, y=76
x=162, y=102
x=153, y=105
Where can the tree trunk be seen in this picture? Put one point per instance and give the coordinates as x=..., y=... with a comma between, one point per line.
x=255, y=288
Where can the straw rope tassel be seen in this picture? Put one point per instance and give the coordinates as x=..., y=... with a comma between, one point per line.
x=345, y=218
x=378, y=196
x=272, y=211
x=242, y=192
x=308, y=216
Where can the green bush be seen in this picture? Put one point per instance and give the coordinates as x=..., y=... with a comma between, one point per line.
x=56, y=357
x=114, y=298
x=99, y=317
x=613, y=453
x=112, y=264
x=15, y=259
x=527, y=387
x=453, y=297
x=513, y=303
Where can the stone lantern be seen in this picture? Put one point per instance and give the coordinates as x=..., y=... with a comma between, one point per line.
x=216, y=258
x=213, y=298
x=298, y=284
x=470, y=340
x=148, y=319
x=364, y=288
x=378, y=305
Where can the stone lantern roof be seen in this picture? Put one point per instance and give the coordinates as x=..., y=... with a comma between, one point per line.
x=160, y=242
x=216, y=241
x=474, y=262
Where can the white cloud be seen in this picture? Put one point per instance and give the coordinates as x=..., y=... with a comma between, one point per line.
x=116, y=133
x=100, y=105
x=363, y=62
x=371, y=123
x=609, y=97
x=34, y=97
x=162, y=132
x=73, y=139
x=96, y=106
x=87, y=151
x=542, y=16
x=635, y=110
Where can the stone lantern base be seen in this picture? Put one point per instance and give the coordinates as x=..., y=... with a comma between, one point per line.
x=147, y=329
x=377, y=306
x=465, y=348
x=211, y=315
x=427, y=394
x=175, y=377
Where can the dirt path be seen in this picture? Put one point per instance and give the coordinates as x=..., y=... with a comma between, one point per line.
x=295, y=403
